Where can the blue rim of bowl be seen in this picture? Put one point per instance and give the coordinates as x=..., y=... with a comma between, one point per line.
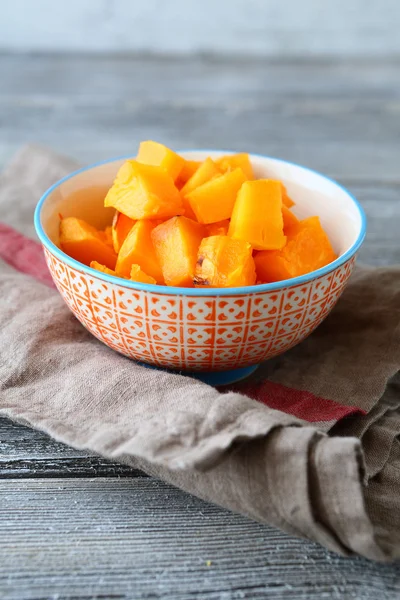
x=163, y=289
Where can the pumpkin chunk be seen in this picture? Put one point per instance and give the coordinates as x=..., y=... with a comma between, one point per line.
x=84, y=243
x=137, y=274
x=144, y=192
x=153, y=153
x=189, y=169
x=257, y=215
x=137, y=249
x=224, y=262
x=288, y=202
x=214, y=200
x=289, y=219
x=176, y=243
x=121, y=226
x=106, y=236
x=308, y=248
x=95, y=265
x=219, y=228
x=206, y=171
x=229, y=162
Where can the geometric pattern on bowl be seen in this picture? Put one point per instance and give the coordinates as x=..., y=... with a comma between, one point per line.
x=198, y=333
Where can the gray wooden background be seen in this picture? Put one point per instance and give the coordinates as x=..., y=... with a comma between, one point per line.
x=231, y=27
x=73, y=526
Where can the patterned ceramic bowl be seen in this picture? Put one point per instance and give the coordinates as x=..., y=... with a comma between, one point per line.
x=201, y=330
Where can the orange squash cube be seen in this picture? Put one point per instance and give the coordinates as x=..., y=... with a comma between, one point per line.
x=257, y=215
x=308, y=248
x=219, y=228
x=144, y=192
x=106, y=236
x=95, y=265
x=176, y=243
x=288, y=202
x=206, y=171
x=229, y=162
x=121, y=226
x=84, y=243
x=289, y=219
x=189, y=169
x=214, y=200
x=137, y=249
x=137, y=274
x=224, y=262
x=153, y=153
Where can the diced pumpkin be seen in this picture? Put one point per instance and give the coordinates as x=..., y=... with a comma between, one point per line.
x=153, y=153
x=214, y=200
x=188, y=170
x=121, y=226
x=95, y=265
x=137, y=249
x=308, y=248
x=229, y=162
x=219, y=228
x=84, y=243
x=137, y=274
x=176, y=243
x=106, y=236
x=257, y=215
x=288, y=202
x=224, y=262
x=206, y=171
x=144, y=192
x=289, y=219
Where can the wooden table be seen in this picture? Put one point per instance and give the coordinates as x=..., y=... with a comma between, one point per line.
x=75, y=526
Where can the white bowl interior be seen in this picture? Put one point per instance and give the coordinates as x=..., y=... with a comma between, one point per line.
x=83, y=195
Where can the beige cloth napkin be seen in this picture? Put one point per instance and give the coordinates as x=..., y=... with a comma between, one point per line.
x=340, y=489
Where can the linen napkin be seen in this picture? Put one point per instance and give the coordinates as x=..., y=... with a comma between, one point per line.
x=308, y=444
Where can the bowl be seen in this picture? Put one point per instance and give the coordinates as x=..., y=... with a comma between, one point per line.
x=201, y=330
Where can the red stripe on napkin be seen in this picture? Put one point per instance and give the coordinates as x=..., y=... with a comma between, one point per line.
x=298, y=403
x=23, y=254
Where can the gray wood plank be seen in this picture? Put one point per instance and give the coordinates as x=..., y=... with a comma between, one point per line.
x=337, y=117
x=263, y=28
x=143, y=539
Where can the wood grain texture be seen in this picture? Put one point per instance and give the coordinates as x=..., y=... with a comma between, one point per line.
x=253, y=27
x=76, y=526
x=143, y=539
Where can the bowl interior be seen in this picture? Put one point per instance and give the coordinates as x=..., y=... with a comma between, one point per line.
x=82, y=196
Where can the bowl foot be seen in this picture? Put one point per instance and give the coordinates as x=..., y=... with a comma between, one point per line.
x=217, y=378
x=214, y=378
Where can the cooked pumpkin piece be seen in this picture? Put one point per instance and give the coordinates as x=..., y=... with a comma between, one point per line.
x=137, y=274
x=289, y=219
x=219, y=228
x=95, y=265
x=84, y=243
x=308, y=248
x=206, y=171
x=224, y=262
x=229, y=162
x=214, y=200
x=288, y=202
x=144, y=192
x=121, y=226
x=257, y=215
x=106, y=236
x=137, y=249
x=188, y=170
x=153, y=153
x=176, y=243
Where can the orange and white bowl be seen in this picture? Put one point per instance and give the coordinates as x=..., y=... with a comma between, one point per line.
x=202, y=330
